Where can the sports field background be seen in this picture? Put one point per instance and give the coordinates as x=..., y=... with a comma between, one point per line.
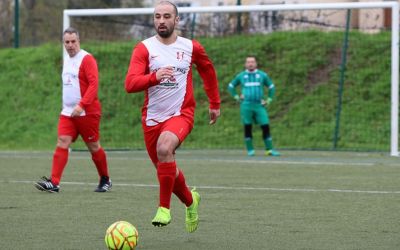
x=302, y=200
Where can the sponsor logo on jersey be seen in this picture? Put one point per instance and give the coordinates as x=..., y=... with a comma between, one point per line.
x=67, y=79
x=251, y=84
x=152, y=57
x=168, y=83
x=180, y=70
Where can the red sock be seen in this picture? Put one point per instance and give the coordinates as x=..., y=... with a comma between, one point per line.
x=181, y=190
x=166, y=172
x=100, y=160
x=60, y=159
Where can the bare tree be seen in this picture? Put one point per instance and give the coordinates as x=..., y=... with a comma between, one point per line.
x=6, y=20
x=41, y=20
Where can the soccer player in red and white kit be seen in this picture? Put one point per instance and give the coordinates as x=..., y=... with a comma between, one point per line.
x=80, y=114
x=161, y=66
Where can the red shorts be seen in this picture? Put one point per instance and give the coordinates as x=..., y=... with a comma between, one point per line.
x=179, y=125
x=86, y=126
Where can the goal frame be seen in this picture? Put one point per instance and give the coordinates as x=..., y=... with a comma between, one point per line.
x=394, y=6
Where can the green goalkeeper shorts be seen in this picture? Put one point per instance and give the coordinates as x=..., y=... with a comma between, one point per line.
x=253, y=113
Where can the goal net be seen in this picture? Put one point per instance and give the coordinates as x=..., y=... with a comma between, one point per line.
x=335, y=68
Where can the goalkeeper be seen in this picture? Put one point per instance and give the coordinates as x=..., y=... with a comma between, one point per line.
x=252, y=103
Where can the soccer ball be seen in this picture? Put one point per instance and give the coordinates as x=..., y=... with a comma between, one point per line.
x=121, y=235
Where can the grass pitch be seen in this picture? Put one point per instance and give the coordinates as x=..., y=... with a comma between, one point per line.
x=302, y=200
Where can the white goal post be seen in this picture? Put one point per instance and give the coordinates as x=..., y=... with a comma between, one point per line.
x=394, y=6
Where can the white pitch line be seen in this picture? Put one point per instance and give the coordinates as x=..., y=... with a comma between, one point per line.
x=307, y=190
x=334, y=163
x=281, y=162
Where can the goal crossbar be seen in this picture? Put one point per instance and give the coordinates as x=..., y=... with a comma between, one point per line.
x=233, y=9
x=394, y=6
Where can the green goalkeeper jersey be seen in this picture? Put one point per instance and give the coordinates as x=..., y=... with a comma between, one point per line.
x=252, y=86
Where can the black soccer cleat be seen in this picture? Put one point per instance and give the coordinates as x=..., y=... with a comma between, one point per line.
x=46, y=185
x=105, y=184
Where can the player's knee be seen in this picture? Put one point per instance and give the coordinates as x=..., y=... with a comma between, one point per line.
x=164, y=150
x=93, y=146
x=64, y=141
x=166, y=145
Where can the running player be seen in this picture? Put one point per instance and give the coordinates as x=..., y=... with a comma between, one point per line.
x=161, y=66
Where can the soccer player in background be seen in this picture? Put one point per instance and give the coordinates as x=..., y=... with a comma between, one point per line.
x=161, y=67
x=252, y=103
x=80, y=115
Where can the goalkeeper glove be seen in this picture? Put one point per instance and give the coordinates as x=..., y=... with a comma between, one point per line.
x=269, y=100
x=237, y=98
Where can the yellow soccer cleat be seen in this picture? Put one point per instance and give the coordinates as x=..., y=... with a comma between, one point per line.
x=192, y=215
x=162, y=218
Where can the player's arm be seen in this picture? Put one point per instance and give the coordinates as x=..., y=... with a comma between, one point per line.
x=91, y=72
x=232, y=87
x=210, y=83
x=138, y=77
x=207, y=73
x=271, y=88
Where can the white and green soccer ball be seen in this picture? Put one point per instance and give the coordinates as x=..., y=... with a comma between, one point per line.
x=121, y=235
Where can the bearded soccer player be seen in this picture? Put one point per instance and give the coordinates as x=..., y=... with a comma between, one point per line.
x=252, y=103
x=161, y=67
x=80, y=114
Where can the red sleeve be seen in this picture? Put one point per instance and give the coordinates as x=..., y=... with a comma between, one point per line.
x=207, y=74
x=91, y=74
x=138, y=77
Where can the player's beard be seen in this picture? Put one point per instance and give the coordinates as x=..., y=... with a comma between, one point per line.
x=167, y=32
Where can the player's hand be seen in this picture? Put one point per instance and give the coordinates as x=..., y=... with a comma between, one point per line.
x=77, y=111
x=266, y=102
x=164, y=73
x=269, y=100
x=237, y=98
x=214, y=114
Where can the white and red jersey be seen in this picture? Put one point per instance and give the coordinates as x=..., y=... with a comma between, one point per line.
x=80, y=80
x=174, y=96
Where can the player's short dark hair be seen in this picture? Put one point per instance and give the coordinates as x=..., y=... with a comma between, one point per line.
x=71, y=30
x=170, y=3
x=251, y=56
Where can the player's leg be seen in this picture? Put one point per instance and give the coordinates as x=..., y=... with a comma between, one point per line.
x=174, y=131
x=166, y=174
x=191, y=199
x=151, y=135
x=67, y=133
x=263, y=119
x=181, y=190
x=160, y=147
x=88, y=127
x=246, y=115
x=248, y=139
x=99, y=158
x=181, y=127
x=60, y=158
x=269, y=148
